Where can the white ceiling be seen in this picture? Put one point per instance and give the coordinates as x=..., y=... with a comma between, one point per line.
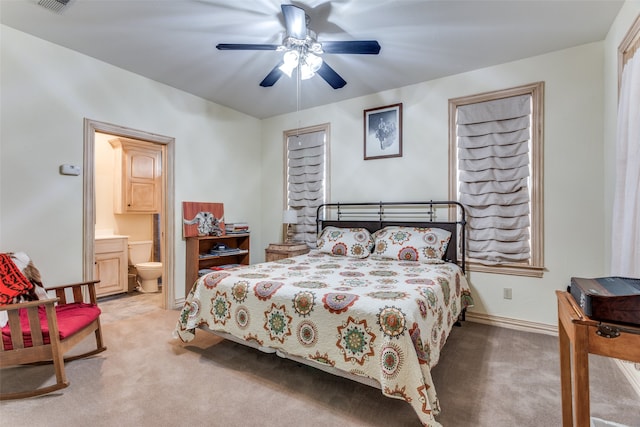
x=173, y=41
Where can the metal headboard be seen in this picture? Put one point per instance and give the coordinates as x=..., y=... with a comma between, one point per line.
x=377, y=215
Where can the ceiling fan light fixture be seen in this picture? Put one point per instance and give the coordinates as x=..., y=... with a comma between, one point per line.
x=306, y=73
x=310, y=65
x=289, y=62
x=301, y=50
x=316, y=48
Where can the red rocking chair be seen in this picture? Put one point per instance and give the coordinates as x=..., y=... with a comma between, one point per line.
x=45, y=330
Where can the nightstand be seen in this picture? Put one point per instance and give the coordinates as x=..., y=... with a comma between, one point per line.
x=277, y=251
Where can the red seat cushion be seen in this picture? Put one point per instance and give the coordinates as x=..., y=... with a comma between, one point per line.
x=71, y=318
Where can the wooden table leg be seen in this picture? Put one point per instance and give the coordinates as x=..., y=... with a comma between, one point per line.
x=565, y=375
x=580, y=371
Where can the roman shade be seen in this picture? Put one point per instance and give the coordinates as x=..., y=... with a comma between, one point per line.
x=493, y=174
x=306, y=181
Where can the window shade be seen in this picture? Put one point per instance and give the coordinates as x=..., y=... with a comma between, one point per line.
x=306, y=181
x=493, y=175
x=625, y=228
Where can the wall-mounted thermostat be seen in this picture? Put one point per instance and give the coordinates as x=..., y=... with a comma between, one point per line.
x=70, y=170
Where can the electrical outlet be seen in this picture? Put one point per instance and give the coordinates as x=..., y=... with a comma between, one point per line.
x=506, y=293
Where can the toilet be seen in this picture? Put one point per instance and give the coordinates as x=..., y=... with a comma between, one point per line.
x=148, y=272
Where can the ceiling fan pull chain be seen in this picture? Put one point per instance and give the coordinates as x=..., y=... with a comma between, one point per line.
x=298, y=90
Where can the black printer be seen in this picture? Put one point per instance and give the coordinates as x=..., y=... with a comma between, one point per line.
x=613, y=299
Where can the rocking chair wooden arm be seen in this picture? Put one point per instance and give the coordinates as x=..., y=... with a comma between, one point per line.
x=27, y=304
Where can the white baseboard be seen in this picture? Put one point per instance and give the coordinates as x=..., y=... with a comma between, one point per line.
x=627, y=368
x=506, y=322
x=178, y=303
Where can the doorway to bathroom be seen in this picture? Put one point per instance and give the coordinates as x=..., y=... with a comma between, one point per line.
x=148, y=221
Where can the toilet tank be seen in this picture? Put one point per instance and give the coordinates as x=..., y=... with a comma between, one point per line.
x=140, y=251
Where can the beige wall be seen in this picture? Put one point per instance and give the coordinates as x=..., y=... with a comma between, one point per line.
x=47, y=92
x=574, y=211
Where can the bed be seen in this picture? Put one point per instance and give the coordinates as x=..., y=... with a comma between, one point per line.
x=375, y=301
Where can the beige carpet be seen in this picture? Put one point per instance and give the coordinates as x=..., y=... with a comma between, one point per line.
x=487, y=376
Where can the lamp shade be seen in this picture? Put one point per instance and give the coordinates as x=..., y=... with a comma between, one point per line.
x=310, y=65
x=289, y=216
x=289, y=62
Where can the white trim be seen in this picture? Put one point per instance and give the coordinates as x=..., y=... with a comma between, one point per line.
x=506, y=322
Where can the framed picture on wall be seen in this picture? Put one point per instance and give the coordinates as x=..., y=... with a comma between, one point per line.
x=383, y=132
x=202, y=219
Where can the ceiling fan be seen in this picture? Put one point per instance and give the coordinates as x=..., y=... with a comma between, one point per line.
x=302, y=51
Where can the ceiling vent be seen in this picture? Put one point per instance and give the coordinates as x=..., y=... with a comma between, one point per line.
x=55, y=5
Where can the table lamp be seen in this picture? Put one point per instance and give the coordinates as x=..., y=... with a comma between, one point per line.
x=289, y=216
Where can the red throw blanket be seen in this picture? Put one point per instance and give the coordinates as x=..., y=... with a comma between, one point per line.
x=14, y=283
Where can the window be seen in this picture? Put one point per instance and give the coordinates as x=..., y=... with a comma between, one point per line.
x=495, y=166
x=625, y=247
x=306, y=152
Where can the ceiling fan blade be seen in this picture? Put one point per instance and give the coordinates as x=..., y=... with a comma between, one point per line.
x=365, y=47
x=295, y=21
x=234, y=46
x=273, y=76
x=331, y=76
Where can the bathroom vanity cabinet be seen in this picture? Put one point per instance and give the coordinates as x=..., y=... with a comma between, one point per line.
x=203, y=256
x=110, y=265
x=138, y=170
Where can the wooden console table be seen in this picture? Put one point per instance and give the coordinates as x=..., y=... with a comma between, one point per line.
x=580, y=335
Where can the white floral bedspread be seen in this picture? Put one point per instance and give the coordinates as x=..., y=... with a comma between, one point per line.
x=385, y=320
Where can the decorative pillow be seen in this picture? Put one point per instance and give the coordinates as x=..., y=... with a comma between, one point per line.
x=352, y=242
x=427, y=245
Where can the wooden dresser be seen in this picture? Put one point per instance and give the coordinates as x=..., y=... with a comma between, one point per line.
x=277, y=251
